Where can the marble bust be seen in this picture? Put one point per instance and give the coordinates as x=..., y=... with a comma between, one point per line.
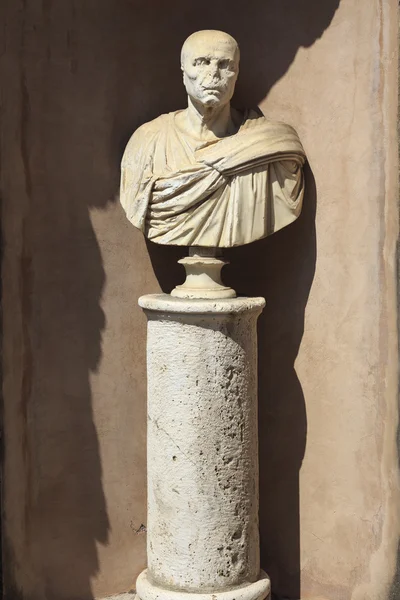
x=211, y=175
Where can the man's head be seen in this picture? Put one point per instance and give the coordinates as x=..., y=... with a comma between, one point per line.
x=210, y=65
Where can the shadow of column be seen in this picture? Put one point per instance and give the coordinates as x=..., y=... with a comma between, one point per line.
x=281, y=269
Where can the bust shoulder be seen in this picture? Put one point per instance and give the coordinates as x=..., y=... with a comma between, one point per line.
x=155, y=125
x=144, y=138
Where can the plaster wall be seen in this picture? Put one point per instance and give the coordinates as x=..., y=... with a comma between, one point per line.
x=79, y=78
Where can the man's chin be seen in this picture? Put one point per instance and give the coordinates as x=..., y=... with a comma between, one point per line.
x=211, y=100
x=211, y=104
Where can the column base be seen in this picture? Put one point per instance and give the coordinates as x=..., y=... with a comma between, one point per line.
x=259, y=590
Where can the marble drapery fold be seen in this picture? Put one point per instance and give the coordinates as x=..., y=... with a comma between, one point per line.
x=228, y=192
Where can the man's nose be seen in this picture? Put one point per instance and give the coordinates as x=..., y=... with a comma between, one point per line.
x=213, y=71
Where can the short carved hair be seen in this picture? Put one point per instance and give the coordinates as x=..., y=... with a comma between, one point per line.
x=209, y=33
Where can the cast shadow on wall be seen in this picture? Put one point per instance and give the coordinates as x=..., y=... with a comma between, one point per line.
x=87, y=83
x=280, y=268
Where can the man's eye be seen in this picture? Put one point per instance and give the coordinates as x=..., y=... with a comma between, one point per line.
x=224, y=64
x=201, y=61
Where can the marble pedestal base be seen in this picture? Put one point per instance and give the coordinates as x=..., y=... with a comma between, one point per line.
x=202, y=449
x=250, y=591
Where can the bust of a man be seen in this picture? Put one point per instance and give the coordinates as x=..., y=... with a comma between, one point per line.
x=211, y=175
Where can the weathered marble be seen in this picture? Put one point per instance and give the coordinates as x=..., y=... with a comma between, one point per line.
x=211, y=175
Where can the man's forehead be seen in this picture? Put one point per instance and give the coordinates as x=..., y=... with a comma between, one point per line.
x=205, y=47
x=209, y=43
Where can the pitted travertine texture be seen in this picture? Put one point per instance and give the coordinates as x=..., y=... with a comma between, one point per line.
x=258, y=590
x=202, y=443
x=166, y=303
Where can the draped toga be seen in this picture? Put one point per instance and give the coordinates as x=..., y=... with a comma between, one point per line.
x=223, y=193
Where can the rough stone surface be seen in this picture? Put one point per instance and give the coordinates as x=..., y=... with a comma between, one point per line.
x=202, y=451
x=258, y=590
x=164, y=303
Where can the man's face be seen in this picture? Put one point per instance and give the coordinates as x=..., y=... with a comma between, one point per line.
x=210, y=69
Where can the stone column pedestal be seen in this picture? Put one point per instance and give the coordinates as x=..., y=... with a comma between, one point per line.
x=202, y=523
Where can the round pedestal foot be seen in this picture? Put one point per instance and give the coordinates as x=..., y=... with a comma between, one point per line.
x=203, y=276
x=259, y=590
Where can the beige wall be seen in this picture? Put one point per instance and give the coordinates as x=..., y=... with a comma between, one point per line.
x=80, y=77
